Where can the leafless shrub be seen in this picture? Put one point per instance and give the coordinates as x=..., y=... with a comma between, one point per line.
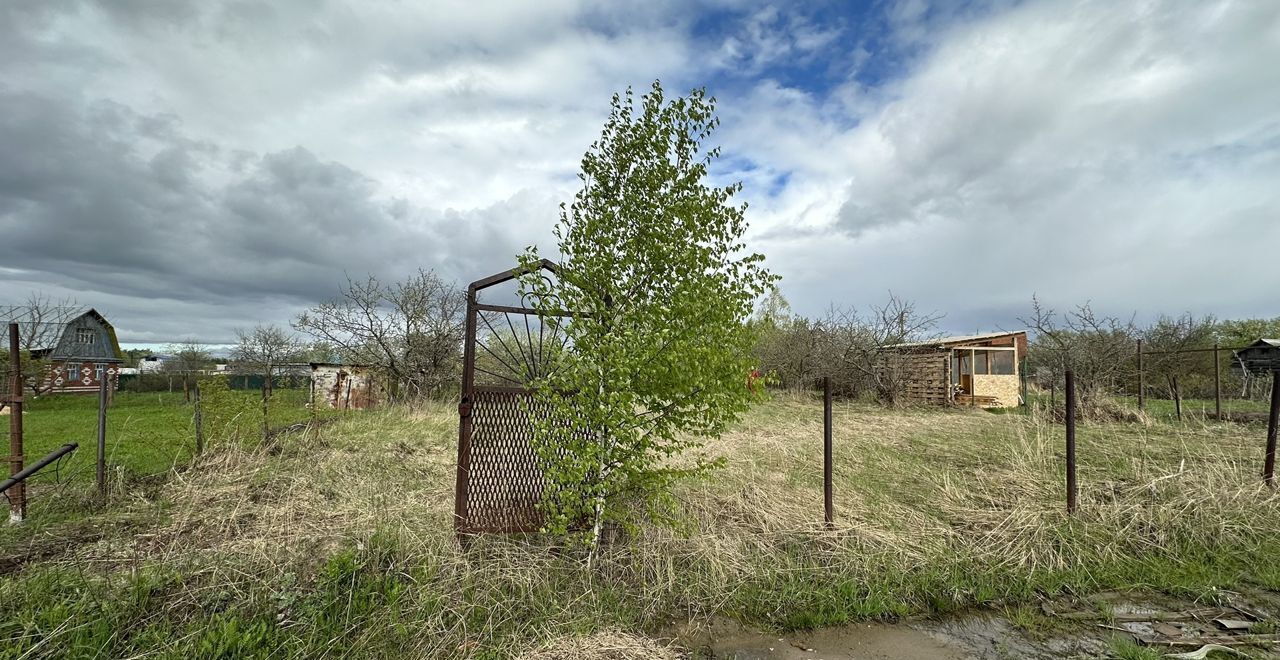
x=41, y=320
x=857, y=349
x=787, y=345
x=1097, y=348
x=1169, y=341
x=188, y=360
x=412, y=331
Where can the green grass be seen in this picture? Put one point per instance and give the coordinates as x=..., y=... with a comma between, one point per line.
x=147, y=433
x=1166, y=409
x=1125, y=648
x=340, y=542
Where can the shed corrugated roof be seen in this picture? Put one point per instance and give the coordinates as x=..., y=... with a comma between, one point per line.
x=960, y=339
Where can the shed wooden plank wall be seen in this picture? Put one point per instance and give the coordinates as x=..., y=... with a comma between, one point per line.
x=926, y=376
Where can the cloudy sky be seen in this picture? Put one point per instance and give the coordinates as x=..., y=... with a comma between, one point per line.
x=190, y=168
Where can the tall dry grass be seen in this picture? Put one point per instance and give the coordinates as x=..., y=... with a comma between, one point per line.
x=935, y=509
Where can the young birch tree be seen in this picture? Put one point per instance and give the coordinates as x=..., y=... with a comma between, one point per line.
x=654, y=267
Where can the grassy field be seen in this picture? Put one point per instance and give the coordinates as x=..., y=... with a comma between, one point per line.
x=148, y=435
x=337, y=542
x=1165, y=409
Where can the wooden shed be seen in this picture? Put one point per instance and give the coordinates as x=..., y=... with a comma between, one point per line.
x=344, y=386
x=982, y=369
x=1259, y=358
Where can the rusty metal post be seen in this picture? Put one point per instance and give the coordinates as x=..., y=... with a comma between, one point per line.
x=1217, y=383
x=1022, y=372
x=1142, y=380
x=102, y=438
x=18, y=494
x=266, y=418
x=1177, y=397
x=973, y=378
x=828, y=500
x=462, y=482
x=200, y=422
x=1071, y=442
x=1273, y=425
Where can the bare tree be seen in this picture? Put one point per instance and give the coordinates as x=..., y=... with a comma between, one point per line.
x=1170, y=339
x=412, y=331
x=786, y=343
x=860, y=350
x=1097, y=348
x=188, y=358
x=41, y=320
x=263, y=350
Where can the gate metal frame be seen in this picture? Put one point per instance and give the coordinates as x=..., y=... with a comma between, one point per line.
x=513, y=468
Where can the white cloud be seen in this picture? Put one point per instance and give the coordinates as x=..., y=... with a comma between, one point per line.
x=1125, y=152
x=1119, y=152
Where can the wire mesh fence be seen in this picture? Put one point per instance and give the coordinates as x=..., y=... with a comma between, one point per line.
x=1183, y=383
x=147, y=436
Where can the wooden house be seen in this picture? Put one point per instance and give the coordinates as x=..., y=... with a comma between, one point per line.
x=982, y=370
x=86, y=352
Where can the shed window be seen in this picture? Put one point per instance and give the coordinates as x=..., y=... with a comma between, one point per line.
x=1002, y=363
x=84, y=336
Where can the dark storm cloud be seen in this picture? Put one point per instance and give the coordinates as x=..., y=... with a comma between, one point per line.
x=112, y=201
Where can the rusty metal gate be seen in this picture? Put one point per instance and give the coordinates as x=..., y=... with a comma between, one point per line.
x=500, y=478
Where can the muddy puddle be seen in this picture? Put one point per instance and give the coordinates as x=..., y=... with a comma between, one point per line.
x=971, y=636
x=1088, y=628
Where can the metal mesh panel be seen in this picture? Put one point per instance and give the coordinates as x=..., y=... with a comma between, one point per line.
x=505, y=479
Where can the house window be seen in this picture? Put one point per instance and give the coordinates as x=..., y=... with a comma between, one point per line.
x=84, y=336
x=97, y=371
x=73, y=372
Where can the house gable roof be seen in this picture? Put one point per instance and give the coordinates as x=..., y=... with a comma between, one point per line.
x=105, y=347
